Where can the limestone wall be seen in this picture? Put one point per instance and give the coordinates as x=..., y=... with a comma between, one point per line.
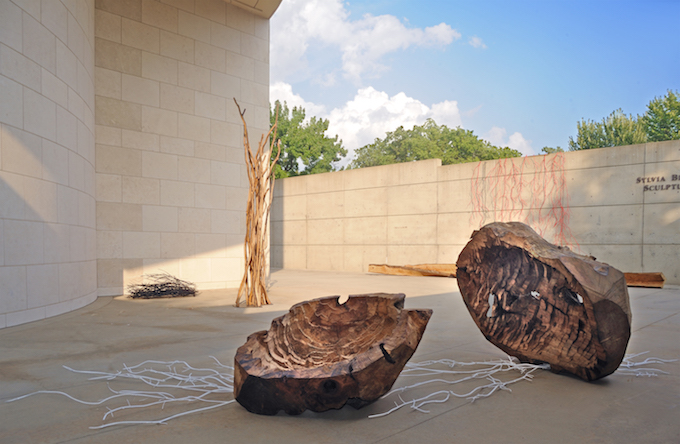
x=171, y=180
x=621, y=205
x=47, y=157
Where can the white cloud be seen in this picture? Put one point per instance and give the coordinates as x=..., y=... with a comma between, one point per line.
x=499, y=137
x=371, y=114
x=283, y=92
x=476, y=42
x=362, y=43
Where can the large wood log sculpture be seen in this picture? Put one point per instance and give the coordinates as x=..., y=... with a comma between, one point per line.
x=322, y=354
x=544, y=303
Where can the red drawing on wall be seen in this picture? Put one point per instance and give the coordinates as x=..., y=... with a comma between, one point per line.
x=532, y=190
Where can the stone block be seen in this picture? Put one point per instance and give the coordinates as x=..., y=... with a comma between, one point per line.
x=193, y=77
x=159, y=15
x=131, y=9
x=194, y=127
x=194, y=220
x=23, y=242
x=119, y=216
x=177, y=245
x=140, y=245
x=117, y=160
x=159, y=121
x=159, y=218
x=141, y=36
x=109, y=244
x=159, y=165
x=142, y=91
x=176, y=98
x=117, y=113
x=177, y=47
x=116, y=57
x=175, y=193
x=176, y=145
x=211, y=245
x=108, y=83
x=11, y=103
x=140, y=141
x=225, y=37
x=210, y=57
x=157, y=67
x=140, y=190
x=107, y=26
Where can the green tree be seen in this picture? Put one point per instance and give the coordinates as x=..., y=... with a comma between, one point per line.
x=551, y=150
x=305, y=148
x=662, y=119
x=615, y=130
x=429, y=141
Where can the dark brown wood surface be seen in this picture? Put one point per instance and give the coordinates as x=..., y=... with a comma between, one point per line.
x=544, y=303
x=322, y=354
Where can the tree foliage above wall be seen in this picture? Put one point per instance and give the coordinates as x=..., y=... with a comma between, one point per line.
x=429, y=141
x=305, y=147
x=660, y=122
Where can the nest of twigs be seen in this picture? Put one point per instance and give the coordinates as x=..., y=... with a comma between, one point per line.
x=162, y=285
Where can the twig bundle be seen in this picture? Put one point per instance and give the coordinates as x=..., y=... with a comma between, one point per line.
x=260, y=169
x=162, y=285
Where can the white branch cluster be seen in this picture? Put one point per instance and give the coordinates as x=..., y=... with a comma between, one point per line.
x=199, y=384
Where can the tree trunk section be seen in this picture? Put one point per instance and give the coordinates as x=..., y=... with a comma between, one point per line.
x=544, y=303
x=322, y=354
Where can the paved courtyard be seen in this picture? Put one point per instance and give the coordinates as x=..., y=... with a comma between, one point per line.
x=113, y=332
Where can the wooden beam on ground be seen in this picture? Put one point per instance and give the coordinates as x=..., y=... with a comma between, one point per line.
x=441, y=270
x=650, y=280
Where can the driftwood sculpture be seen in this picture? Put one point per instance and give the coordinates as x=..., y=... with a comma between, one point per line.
x=322, y=354
x=543, y=303
x=260, y=169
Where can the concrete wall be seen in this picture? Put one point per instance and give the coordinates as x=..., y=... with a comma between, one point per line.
x=47, y=157
x=171, y=180
x=621, y=205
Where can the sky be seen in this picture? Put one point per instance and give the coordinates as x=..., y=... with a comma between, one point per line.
x=517, y=73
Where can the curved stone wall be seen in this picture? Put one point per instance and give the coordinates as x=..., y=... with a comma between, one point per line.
x=47, y=175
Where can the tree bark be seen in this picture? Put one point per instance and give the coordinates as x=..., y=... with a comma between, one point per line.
x=544, y=303
x=322, y=354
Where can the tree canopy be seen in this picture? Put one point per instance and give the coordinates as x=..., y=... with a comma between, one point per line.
x=305, y=148
x=617, y=129
x=660, y=122
x=429, y=141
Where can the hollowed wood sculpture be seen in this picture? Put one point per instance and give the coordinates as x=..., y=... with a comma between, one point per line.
x=544, y=303
x=322, y=354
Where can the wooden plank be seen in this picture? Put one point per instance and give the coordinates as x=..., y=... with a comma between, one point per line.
x=649, y=280
x=441, y=270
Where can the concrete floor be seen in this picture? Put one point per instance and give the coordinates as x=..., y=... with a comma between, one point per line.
x=116, y=331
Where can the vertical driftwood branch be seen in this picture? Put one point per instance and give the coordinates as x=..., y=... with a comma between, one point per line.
x=260, y=169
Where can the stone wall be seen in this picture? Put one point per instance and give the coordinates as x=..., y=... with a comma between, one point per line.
x=171, y=180
x=621, y=205
x=47, y=157
x=121, y=150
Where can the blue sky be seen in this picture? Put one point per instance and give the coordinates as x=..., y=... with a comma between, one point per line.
x=517, y=73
